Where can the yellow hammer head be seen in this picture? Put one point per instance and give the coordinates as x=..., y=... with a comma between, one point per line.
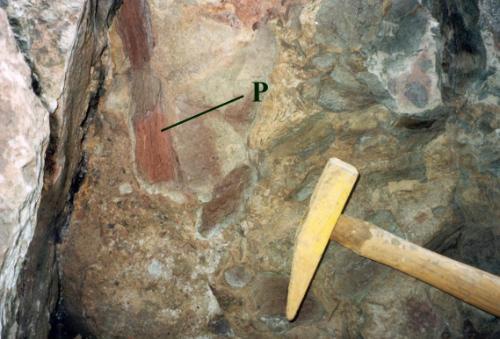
x=327, y=202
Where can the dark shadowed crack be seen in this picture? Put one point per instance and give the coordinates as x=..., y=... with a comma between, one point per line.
x=63, y=326
x=22, y=44
x=463, y=56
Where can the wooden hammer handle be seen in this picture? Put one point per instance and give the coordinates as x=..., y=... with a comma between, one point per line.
x=467, y=283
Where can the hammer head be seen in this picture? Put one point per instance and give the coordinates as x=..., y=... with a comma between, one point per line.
x=327, y=202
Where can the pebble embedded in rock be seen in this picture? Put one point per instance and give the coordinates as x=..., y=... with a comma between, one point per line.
x=237, y=276
x=125, y=188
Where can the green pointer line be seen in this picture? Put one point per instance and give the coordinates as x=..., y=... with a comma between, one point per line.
x=201, y=113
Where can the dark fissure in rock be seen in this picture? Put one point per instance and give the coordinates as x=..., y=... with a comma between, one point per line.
x=463, y=57
x=22, y=44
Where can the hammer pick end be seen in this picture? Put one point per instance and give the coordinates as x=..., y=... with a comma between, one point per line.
x=327, y=202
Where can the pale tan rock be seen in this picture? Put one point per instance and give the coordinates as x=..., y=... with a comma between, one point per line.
x=23, y=140
x=47, y=30
x=63, y=43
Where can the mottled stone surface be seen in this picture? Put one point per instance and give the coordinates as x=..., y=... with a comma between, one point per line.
x=64, y=43
x=23, y=140
x=46, y=31
x=190, y=232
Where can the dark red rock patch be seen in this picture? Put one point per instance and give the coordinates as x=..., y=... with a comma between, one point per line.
x=154, y=153
x=418, y=84
x=227, y=198
x=134, y=27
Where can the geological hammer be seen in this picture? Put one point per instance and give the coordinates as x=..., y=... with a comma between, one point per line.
x=324, y=222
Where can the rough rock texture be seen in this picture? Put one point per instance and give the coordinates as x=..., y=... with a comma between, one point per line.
x=63, y=42
x=190, y=232
x=23, y=141
x=46, y=32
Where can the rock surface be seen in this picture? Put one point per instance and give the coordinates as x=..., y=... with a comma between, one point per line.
x=190, y=232
x=63, y=42
x=201, y=242
x=46, y=32
x=23, y=141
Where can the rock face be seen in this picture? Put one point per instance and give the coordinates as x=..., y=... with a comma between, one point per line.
x=63, y=42
x=190, y=232
x=23, y=142
x=46, y=31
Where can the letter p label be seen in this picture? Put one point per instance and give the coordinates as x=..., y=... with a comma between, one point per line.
x=258, y=89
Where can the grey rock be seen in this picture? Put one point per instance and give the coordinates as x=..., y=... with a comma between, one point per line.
x=417, y=94
x=237, y=276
